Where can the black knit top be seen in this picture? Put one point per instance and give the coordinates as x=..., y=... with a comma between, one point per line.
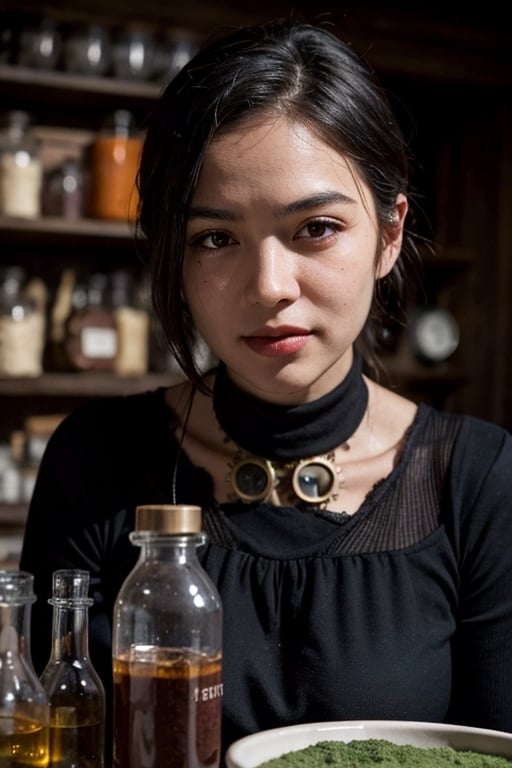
x=400, y=611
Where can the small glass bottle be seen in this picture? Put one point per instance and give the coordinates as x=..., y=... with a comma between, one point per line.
x=63, y=190
x=74, y=689
x=10, y=476
x=114, y=161
x=132, y=324
x=86, y=49
x=167, y=648
x=24, y=710
x=55, y=356
x=22, y=326
x=39, y=42
x=91, y=333
x=21, y=168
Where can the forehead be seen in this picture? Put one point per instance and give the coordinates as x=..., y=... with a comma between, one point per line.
x=280, y=153
x=279, y=135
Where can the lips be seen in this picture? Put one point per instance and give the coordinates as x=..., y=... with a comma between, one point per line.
x=275, y=342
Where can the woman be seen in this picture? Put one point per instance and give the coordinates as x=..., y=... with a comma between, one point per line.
x=360, y=543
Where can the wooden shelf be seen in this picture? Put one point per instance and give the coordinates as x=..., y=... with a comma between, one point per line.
x=58, y=230
x=13, y=516
x=44, y=85
x=78, y=234
x=413, y=374
x=82, y=384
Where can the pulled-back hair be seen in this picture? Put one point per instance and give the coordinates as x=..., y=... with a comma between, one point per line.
x=288, y=68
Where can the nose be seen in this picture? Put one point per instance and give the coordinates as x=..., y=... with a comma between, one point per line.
x=271, y=276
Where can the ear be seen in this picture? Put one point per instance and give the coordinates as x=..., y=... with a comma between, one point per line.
x=392, y=237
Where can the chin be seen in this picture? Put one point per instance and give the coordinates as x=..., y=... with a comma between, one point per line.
x=284, y=386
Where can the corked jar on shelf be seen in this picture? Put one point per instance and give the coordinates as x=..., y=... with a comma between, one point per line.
x=113, y=164
x=21, y=169
x=22, y=323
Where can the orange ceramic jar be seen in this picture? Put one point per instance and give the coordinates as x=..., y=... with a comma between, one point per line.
x=114, y=162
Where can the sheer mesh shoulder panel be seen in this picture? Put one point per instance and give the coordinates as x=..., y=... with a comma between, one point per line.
x=406, y=510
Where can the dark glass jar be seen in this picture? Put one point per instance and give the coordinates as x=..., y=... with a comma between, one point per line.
x=91, y=334
x=63, y=191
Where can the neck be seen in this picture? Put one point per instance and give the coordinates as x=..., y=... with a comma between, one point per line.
x=283, y=432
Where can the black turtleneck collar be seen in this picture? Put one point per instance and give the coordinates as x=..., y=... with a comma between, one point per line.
x=282, y=432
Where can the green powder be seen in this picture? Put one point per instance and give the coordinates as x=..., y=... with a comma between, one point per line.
x=368, y=752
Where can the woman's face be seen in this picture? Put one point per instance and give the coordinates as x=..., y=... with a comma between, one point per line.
x=282, y=253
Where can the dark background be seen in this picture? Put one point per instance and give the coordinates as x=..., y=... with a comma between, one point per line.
x=447, y=69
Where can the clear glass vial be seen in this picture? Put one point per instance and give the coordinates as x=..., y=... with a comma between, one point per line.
x=74, y=689
x=24, y=711
x=167, y=648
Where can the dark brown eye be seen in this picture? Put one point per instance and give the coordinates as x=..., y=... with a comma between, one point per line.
x=318, y=229
x=219, y=239
x=212, y=241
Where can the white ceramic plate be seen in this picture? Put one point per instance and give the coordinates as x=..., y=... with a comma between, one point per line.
x=252, y=750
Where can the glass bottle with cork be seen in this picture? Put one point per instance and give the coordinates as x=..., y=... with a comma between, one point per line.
x=132, y=324
x=24, y=710
x=91, y=340
x=22, y=324
x=113, y=164
x=63, y=190
x=167, y=648
x=74, y=689
x=21, y=168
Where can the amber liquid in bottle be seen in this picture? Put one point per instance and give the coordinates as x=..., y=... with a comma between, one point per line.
x=75, y=692
x=75, y=745
x=171, y=705
x=23, y=743
x=24, y=710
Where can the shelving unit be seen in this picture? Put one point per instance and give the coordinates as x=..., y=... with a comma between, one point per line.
x=67, y=110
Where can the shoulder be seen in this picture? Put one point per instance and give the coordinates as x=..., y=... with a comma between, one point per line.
x=483, y=447
x=473, y=437
x=478, y=453
x=101, y=423
x=111, y=409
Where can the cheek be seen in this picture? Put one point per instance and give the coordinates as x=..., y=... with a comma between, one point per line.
x=202, y=295
x=195, y=281
x=340, y=282
x=346, y=292
x=204, y=281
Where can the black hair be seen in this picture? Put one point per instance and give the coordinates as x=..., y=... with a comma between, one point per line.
x=286, y=67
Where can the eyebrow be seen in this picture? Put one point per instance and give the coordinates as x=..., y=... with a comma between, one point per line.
x=205, y=212
x=313, y=201
x=305, y=203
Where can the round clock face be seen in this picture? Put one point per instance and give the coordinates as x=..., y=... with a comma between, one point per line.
x=435, y=334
